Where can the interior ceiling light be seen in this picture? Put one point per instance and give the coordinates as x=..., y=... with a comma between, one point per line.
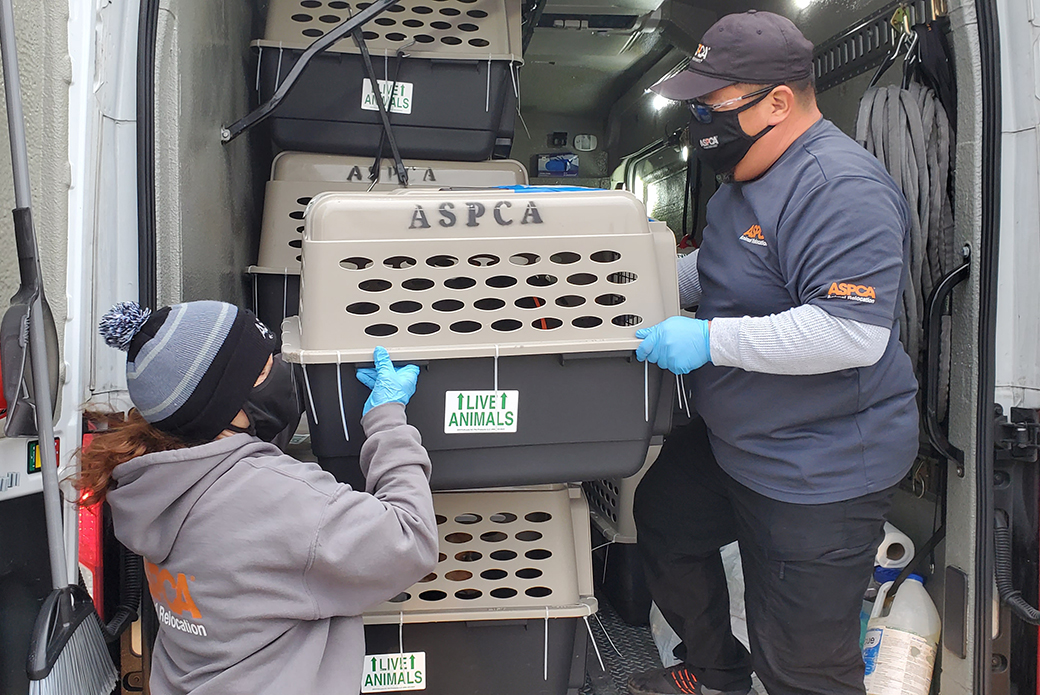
x=802, y=4
x=659, y=102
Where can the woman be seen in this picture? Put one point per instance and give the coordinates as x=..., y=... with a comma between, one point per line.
x=259, y=566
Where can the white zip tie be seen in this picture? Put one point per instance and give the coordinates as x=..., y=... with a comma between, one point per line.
x=339, y=387
x=646, y=390
x=516, y=92
x=545, y=659
x=259, y=60
x=386, y=71
x=607, y=635
x=496, y=367
x=595, y=646
x=686, y=396
x=278, y=72
x=285, y=296
x=307, y=381
x=487, y=93
x=400, y=635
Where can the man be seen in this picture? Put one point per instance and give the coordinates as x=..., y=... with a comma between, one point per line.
x=806, y=396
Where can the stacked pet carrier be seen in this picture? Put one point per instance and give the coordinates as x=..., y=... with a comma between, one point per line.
x=519, y=304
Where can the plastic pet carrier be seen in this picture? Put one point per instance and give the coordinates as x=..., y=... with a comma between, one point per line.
x=505, y=609
x=296, y=177
x=520, y=306
x=453, y=91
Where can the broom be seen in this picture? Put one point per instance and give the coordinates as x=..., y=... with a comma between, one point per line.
x=67, y=654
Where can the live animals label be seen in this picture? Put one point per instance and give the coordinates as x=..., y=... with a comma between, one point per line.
x=472, y=412
x=394, y=672
x=401, y=102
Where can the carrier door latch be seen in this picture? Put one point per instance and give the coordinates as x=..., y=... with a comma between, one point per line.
x=1017, y=438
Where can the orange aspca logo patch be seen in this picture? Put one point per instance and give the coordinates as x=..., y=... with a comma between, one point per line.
x=754, y=236
x=852, y=291
x=173, y=592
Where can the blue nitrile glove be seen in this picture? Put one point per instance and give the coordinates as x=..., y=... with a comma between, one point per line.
x=677, y=344
x=389, y=385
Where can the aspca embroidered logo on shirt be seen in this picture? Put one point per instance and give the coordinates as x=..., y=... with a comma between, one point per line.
x=852, y=292
x=701, y=53
x=754, y=236
x=172, y=597
x=709, y=143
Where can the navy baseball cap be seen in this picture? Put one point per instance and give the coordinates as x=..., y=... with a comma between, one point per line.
x=750, y=47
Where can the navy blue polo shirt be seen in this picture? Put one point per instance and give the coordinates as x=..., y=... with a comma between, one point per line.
x=827, y=226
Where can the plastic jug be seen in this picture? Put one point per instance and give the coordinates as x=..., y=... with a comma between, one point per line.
x=901, y=642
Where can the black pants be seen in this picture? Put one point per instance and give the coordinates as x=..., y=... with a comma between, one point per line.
x=805, y=570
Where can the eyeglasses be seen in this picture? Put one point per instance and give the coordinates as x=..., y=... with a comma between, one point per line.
x=703, y=112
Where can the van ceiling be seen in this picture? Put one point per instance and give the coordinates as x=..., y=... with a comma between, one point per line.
x=577, y=69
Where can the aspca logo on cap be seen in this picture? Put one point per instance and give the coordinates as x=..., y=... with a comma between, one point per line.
x=709, y=143
x=852, y=292
x=701, y=53
x=264, y=330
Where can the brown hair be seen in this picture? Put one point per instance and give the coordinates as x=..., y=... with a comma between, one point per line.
x=120, y=440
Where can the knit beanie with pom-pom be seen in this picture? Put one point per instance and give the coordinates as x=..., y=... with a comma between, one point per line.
x=189, y=367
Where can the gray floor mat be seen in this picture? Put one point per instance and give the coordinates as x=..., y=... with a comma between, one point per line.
x=625, y=649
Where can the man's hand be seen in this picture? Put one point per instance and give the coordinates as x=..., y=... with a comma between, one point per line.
x=678, y=344
x=389, y=385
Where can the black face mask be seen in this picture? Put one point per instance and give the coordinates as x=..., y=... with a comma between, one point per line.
x=274, y=405
x=722, y=143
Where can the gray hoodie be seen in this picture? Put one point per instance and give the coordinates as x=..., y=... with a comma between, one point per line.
x=260, y=566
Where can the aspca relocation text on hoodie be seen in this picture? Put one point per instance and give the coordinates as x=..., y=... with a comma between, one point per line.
x=172, y=597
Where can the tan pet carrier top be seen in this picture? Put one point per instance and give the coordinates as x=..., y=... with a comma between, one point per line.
x=504, y=554
x=296, y=177
x=441, y=29
x=452, y=274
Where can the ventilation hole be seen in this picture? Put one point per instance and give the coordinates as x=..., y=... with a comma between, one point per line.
x=489, y=304
x=541, y=280
x=503, y=592
x=302, y=18
x=450, y=12
x=547, y=324
x=340, y=5
x=428, y=578
x=441, y=557
x=627, y=320
x=396, y=36
x=296, y=243
x=477, y=14
x=369, y=35
x=423, y=38
x=381, y=330
x=469, y=27
x=468, y=594
x=494, y=575
x=459, y=283
x=605, y=256
x=468, y=519
x=565, y=257
x=412, y=23
x=448, y=305
x=296, y=214
x=395, y=8
x=500, y=281
x=493, y=537
x=570, y=301
x=507, y=325
x=405, y=307
x=468, y=556
x=503, y=555
x=583, y=321
x=303, y=201
x=525, y=259
x=441, y=261
x=503, y=518
x=530, y=302
x=374, y=285
x=361, y=5
x=399, y=262
x=422, y=9
x=310, y=4
x=299, y=229
x=355, y=263
x=483, y=260
x=417, y=284
x=423, y=328
x=440, y=25
x=385, y=21
x=529, y=573
x=528, y=536
x=362, y=308
x=329, y=19
x=533, y=592
x=459, y=537
x=434, y=595
x=538, y=517
x=582, y=279
x=313, y=33
x=299, y=258
x=401, y=597
x=458, y=575
x=609, y=299
x=622, y=278
x=441, y=519
x=480, y=43
x=465, y=327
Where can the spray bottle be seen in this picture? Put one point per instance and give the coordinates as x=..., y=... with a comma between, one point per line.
x=901, y=642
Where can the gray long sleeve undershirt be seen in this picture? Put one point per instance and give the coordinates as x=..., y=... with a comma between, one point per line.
x=802, y=340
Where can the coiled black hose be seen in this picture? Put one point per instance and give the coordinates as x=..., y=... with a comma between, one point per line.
x=131, y=583
x=1005, y=587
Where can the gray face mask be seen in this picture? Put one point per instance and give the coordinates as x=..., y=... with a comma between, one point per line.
x=274, y=405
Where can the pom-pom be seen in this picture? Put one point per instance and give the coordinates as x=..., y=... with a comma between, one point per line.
x=121, y=323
